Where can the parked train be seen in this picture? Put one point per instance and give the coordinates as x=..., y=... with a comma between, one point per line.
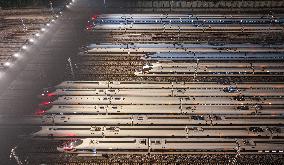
x=170, y=145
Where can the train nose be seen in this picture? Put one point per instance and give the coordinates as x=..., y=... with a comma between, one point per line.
x=65, y=148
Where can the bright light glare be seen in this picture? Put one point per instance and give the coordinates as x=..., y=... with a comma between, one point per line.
x=67, y=6
x=42, y=29
x=37, y=34
x=48, y=24
x=7, y=64
x=16, y=55
x=32, y=40
x=24, y=47
x=52, y=20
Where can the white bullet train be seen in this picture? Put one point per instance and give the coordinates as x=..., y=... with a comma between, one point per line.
x=183, y=19
x=171, y=145
x=164, y=47
x=165, y=109
x=208, y=56
x=97, y=85
x=65, y=132
x=198, y=100
x=163, y=120
x=211, y=69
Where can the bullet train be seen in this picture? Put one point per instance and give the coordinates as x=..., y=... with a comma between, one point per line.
x=199, y=100
x=163, y=120
x=183, y=19
x=165, y=92
x=62, y=132
x=112, y=88
x=204, y=48
x=171, y=145
x=183, y=28
x=164, y=109
x=211, y=69
x=161, y=85
x=182, y=46
x=190, y=56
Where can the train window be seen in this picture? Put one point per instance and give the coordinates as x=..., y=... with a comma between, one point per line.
x=142, y=141
x=197, y=117
x=102, y=107
x=111, y=128
x=95, y=129
x=114, y=129
x=256, y=129
x=189, y=107
x=217, y=117
x=156, y=142
x=105, y=98
x=117, y=98
x=140, y=118
x=114, y=107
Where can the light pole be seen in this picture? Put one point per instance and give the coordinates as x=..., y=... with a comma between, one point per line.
x=51, y=7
